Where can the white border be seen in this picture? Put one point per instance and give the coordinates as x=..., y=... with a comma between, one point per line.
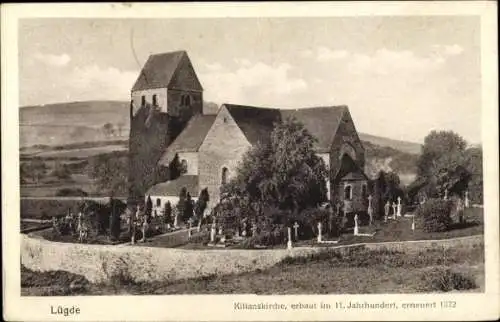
x=220, y=307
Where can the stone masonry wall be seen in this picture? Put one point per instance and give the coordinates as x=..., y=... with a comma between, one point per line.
x=98, y=263
x=224, y=146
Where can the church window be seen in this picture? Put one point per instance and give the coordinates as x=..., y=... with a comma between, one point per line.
x=143, y=100
x=155, y=100
x=224, y=175
x=158, y=202
x=348, y=192
x=184, y=166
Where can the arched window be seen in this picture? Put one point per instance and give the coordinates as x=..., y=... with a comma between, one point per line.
x=143, y=100
x=348, y=192
x=224, y=176
x=184, y=166
x=158, y=202
x=155, y=100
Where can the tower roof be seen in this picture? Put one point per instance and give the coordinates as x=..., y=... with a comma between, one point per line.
x=158, y=70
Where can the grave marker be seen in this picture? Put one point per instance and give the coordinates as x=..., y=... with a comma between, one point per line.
x=356, y=227
x=295, y=227
x=320, y=237
x=289, y=244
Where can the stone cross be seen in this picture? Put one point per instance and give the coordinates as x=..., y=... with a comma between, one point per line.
x=244, y=230
x=394, y=206
x=189, y=229
x=295, y=227
x=413, y=224
x=289, y=244
x=254, y=229
x=370, y=213
x=446, y=194
x=176, y=219
x=356, y=227
x=212, y=233
x=320, y=237
x=466, y=199
x=144, y=229
x=399, y=207
x=387, y=209
x=370, y=201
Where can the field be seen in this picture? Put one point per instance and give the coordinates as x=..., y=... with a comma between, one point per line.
x=80, y=153
x=355, y=271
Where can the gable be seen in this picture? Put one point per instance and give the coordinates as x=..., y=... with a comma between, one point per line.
x=346, y=132
x=185, y=77
x=224, y=134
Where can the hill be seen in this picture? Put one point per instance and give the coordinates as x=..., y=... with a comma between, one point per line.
x=405, y=146
x=64, y=123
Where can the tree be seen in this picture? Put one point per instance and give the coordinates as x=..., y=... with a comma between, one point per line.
x=474, y=165
x=188, y=208
x=61, y=171
x=110, y=172
x=108, y=129
x=116, y=208
x=201, y=204
x=167, y=212
x=35, y=170
x=437, y=144
x=283, y=173
x=443, y=165
x=181, y=204
x=149, y=209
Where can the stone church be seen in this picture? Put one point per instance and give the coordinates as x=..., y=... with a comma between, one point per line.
x=168, y=122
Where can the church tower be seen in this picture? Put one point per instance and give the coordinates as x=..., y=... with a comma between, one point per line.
x=165, y=96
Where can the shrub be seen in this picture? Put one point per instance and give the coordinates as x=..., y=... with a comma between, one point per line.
x=445, y=280
x=308, y=223
x=203, y=237
x=435, y=215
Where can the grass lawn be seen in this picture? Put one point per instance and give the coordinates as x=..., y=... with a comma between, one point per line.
x=330, y=272
x=393, y=230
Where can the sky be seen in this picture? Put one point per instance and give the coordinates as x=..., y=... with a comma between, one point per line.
x=400, y=76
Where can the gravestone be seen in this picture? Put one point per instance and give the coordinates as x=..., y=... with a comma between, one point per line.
x=394, y=206
x=466, y=199
x=212, y=233
x=370, y=209
x=320, y=237
x=244, y=230
x=289, y=244
x=295, y=227
x=399, y=207
x=356, y=225
x=445, y=194
x=387, y=209
x=413, y=223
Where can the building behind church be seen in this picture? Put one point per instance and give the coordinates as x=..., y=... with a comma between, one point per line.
x=168, y=122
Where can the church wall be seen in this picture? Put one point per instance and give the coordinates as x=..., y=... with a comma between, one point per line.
x=346, y=140
x=191, y=160
x=224, y=146
x=357, y=203
x=175, y=106
x=161, y=94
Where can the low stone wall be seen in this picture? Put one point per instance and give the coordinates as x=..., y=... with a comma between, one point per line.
x=100, y=263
